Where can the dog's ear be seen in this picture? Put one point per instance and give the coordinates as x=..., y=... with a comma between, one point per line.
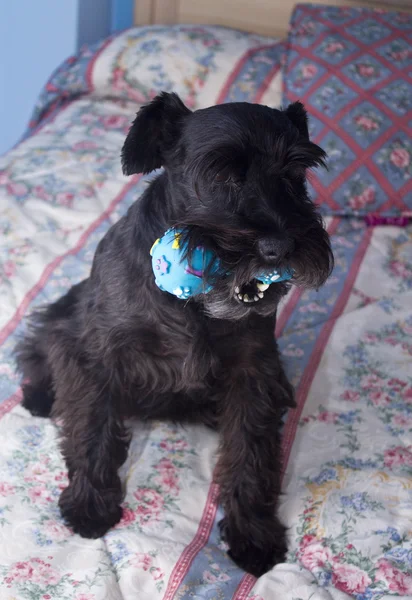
x=304, y=154
x=297, y=114
x=154, y=131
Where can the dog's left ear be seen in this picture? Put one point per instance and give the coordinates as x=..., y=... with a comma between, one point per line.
x=154, y=131
x=304, y=154
x=297, y=114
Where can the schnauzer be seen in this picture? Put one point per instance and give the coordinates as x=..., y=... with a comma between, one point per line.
x=116, y=346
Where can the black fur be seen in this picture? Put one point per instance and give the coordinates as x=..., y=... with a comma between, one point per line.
x=116, y=346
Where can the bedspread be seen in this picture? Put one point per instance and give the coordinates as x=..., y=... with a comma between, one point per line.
x=347, y=348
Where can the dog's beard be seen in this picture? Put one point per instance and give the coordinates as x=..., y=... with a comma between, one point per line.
x=238, y=294
x=222, y=302
x=235, y=291
x=312, y=261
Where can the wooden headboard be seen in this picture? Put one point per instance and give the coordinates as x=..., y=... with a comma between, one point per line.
x=266, y=17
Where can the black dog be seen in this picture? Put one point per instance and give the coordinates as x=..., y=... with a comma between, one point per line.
x=116, y=346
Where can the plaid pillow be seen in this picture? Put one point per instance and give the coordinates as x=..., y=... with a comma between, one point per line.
x=352, y=67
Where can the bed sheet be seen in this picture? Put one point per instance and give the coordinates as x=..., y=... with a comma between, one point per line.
x=347, y=348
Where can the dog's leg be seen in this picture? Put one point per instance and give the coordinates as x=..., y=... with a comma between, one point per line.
x=94, y=445
x=284, y=382
x=249, y=470
x=32, y=352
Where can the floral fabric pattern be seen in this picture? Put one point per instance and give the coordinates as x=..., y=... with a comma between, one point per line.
x=353, y=70
x=355, y=486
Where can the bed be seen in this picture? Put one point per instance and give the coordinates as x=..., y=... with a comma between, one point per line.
x=348, y=348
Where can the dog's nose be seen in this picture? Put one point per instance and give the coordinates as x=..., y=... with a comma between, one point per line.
x=275, y=248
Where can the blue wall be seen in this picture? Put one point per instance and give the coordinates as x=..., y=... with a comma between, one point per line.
x=35, y=37
x=93, y=20
x=98, y=18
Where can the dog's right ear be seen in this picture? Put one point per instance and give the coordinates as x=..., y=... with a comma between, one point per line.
x=154, y=131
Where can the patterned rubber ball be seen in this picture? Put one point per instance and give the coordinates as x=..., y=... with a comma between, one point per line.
x=173, y=273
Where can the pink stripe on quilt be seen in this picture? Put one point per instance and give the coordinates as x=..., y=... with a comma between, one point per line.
x=297, y=292
x=288, y=310
x=245, y=587
x=310, y=371
x=199, y=541
x=10, y=403
x=266, y=83
x=90, y=66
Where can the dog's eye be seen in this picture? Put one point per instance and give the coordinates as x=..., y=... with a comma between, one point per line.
x=224, y=176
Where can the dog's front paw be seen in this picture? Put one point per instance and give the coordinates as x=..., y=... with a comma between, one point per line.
x=92, y=528
x=90, y=516
x=255, y=556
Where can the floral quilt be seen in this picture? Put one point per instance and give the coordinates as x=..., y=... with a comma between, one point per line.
x=347, y=348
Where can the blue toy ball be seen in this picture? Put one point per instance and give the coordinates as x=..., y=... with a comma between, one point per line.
x=173, y=274
x=274, y=277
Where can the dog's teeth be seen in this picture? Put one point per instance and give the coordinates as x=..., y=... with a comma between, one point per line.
x=260, y=294
x=237, y=289
x=240, y=296
x=262, y=286
x=255, y=298
x=246, y=298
